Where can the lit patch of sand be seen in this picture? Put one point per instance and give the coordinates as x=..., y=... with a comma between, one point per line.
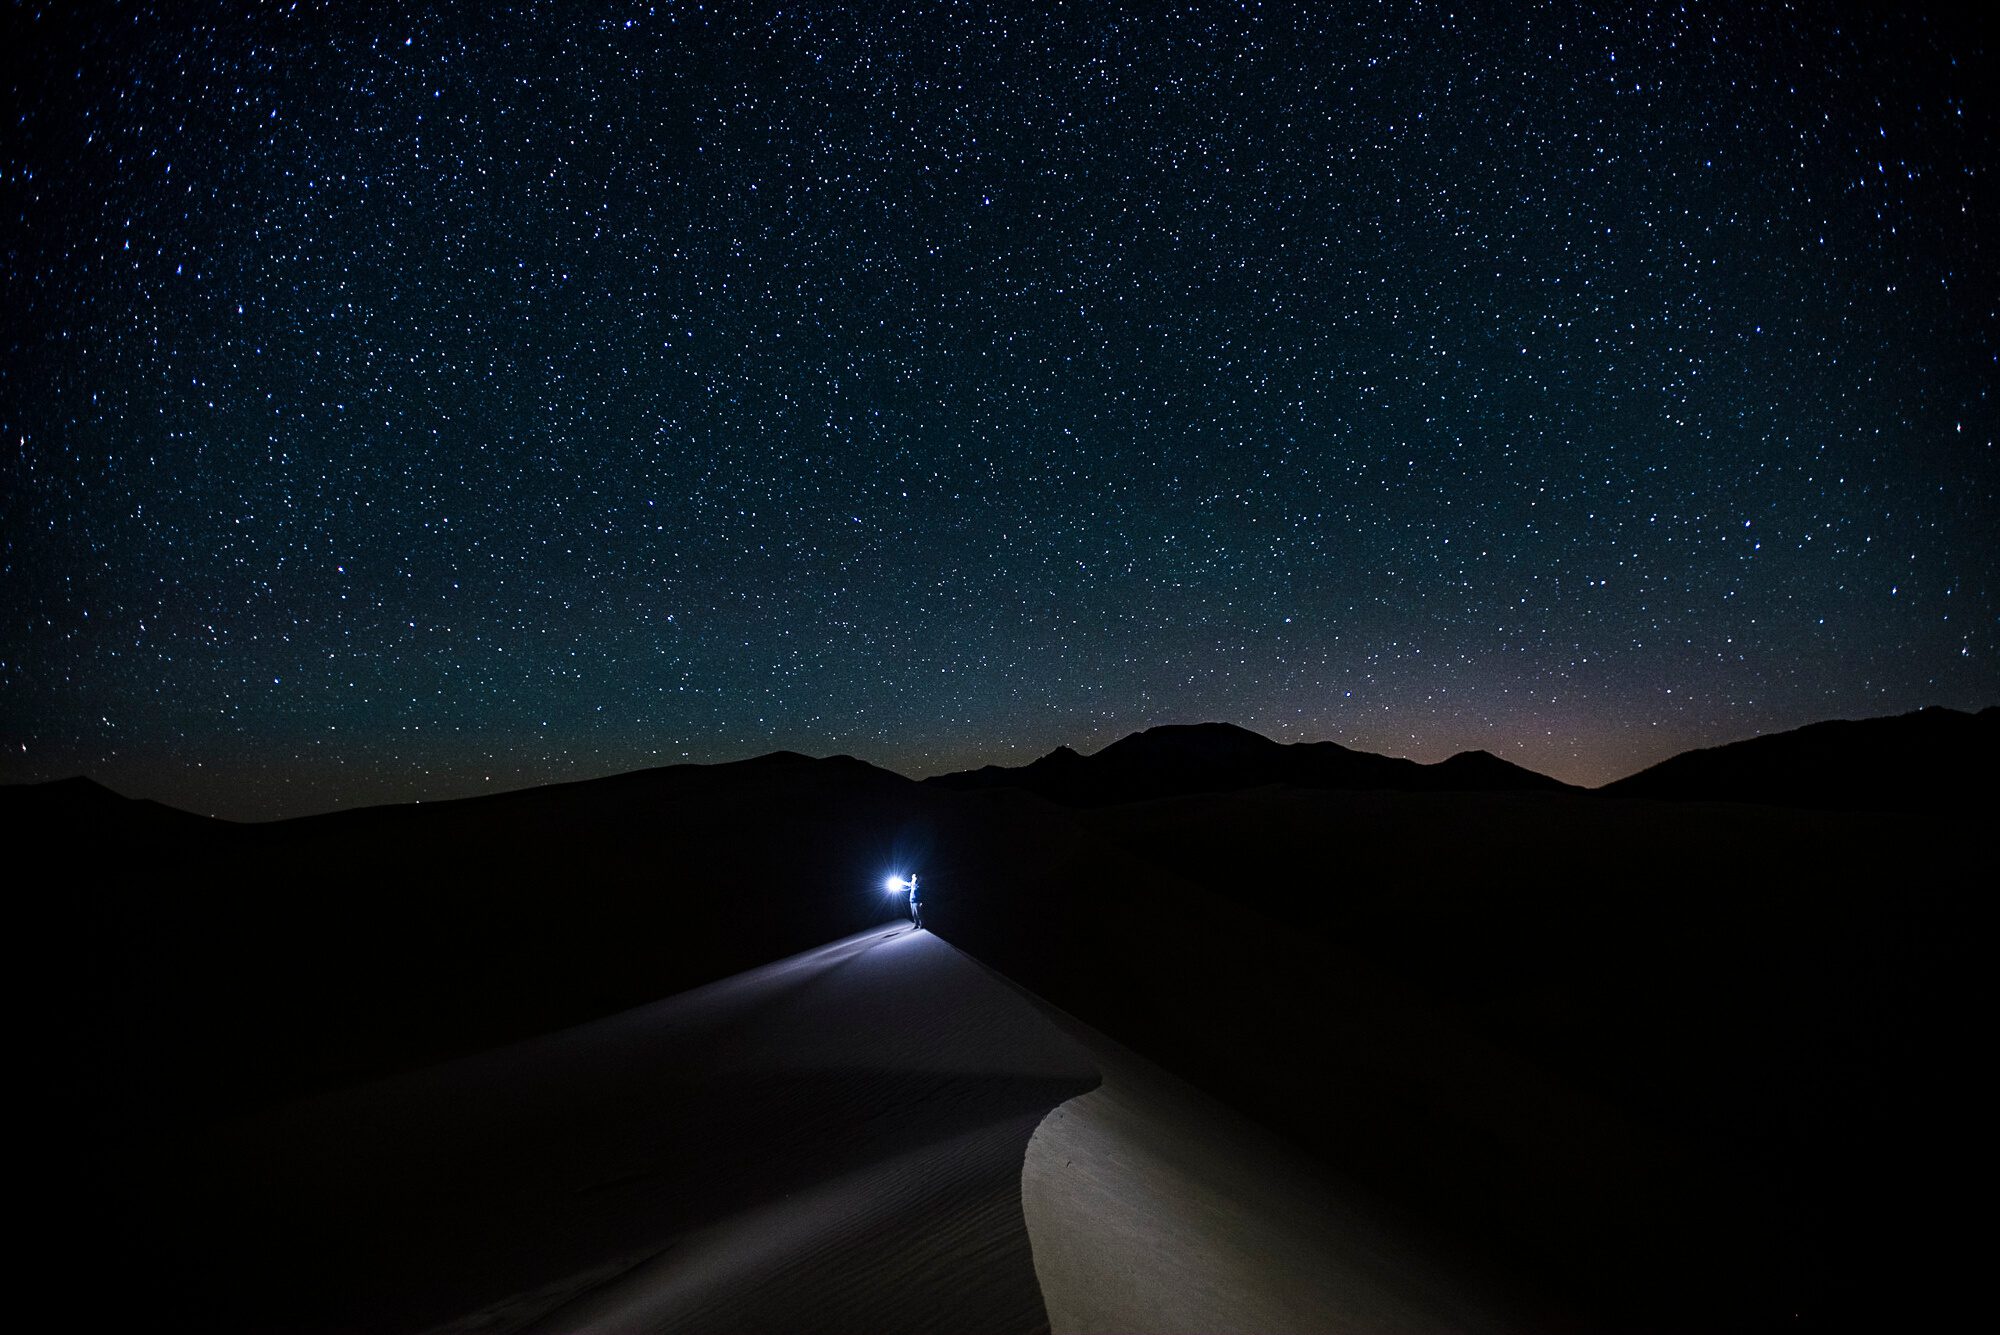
x=1152, y=1208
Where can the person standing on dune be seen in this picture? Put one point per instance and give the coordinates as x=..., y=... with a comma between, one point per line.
x=916, y=904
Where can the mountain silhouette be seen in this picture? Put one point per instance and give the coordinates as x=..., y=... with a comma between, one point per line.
x=1178, y=759
x=1933, y=759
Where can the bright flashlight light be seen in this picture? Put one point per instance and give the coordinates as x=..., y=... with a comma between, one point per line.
x=893, y=884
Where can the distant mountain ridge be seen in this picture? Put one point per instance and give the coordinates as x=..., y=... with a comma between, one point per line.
x=1176, y=759
x=1932, y=759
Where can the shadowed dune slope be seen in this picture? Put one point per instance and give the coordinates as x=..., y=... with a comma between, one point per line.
x=225, y=965
x=1930, y=760
x=1635, y=1065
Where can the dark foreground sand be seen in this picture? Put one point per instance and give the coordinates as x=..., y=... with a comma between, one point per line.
x=832, y=1142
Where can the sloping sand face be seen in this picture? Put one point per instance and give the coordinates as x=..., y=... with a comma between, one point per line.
x=833, y=1142
x=1153, y=1208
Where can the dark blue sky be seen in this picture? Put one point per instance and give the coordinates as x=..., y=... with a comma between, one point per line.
x=408, y=400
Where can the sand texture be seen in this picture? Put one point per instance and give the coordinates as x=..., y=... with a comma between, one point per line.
x=832, y=1142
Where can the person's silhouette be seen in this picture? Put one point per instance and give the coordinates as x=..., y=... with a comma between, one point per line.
x=916, y=904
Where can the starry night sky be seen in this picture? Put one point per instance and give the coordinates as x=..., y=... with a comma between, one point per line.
x=406, y=400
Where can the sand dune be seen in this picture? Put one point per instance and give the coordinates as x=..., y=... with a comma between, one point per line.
x=1153, y=1208
x=863, y=1137
x=832, y=1142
